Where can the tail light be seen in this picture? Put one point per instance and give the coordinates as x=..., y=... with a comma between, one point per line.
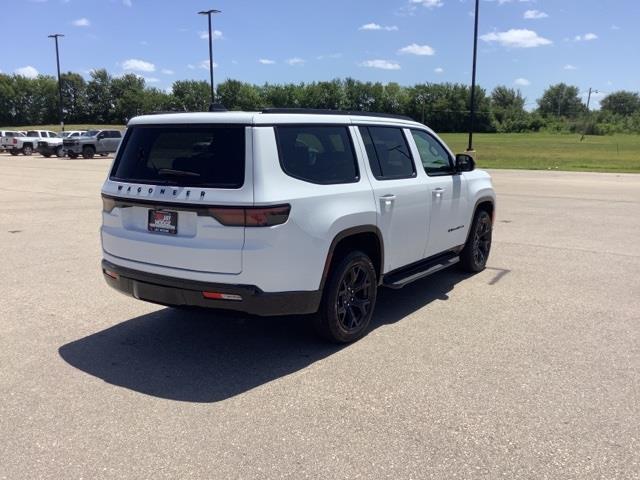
x=108, y=204
x=251, y=216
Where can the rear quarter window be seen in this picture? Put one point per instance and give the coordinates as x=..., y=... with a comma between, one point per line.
x=317, y=154
x=199, y=156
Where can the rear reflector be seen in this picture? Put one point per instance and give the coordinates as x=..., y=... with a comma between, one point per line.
x=251, y=216
x=221, y=296
x=111, y=274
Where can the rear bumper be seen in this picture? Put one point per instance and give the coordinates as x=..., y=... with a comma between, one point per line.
x=180, y=292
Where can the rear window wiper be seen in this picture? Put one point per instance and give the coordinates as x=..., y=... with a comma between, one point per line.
x=170, y=172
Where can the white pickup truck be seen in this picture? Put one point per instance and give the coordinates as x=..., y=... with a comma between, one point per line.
x=6, y=138
x=53, y=146
x=28, y=144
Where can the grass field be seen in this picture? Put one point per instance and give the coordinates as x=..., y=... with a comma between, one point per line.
x=529, y=151
x=544, y=151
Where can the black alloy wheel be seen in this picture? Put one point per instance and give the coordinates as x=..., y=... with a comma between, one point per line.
x=349, y=299
x=475, y=253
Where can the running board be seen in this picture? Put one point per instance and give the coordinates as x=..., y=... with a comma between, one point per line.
x=416, y=271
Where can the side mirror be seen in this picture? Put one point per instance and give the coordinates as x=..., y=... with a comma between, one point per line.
x=100, y=136
x=464, y=162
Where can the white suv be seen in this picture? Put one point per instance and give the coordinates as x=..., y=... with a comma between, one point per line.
x=288, y=212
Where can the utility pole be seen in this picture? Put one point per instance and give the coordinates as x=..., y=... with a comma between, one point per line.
x=209, y=13
x=591, y=90
x=473, y=79
x=60, y=108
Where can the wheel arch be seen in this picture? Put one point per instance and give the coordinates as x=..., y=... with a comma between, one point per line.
x=367, y=238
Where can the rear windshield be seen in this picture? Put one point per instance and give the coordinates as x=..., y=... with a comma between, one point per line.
x=207, y=156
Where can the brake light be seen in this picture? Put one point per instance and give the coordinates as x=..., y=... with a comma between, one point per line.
x=251, y=216
x=108, y=204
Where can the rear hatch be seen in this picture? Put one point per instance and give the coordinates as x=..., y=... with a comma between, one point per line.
x=172, y=196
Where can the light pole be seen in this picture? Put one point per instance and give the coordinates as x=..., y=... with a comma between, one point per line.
x=209, y=13
x=60, y=110
x=473, y=78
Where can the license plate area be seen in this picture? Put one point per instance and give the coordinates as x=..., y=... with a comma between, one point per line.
x=163, y=221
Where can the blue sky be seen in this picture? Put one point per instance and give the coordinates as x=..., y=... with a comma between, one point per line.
x=527, y=44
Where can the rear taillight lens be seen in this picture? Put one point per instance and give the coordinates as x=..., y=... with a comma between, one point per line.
x=108, y=204
x=251, y=216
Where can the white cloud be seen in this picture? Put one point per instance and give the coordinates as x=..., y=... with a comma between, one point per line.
x=415, y=49
x=82, y=22
x=266, y=61
x=586, y=37
x=27, y=71
x=516, y=38
x=377, y=26
x=151, y=79
x=534, y=15
x=439, y=70
x=502, y=2
x=136, y=65
x=428, y=3
x=204, y=34
x=167, y=71
x=127, y=3
x=381, y=64
x=615, y=27
x=295, y=61
x=568, y=66
x=330, y=55
x=522, y=82
x=204, y=65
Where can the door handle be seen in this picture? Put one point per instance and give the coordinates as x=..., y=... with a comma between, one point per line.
x=438, y=191
x=387, y=200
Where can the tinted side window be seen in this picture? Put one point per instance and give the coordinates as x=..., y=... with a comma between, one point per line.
x=435, y=159
x=317, y=154
x=116, y=134
x=391, y=152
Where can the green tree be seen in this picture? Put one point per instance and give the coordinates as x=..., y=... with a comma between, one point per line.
x=561, y=100
x=100, y=101
x=236, y=95
x=621, y=103
x=191, y=95
x=74, y=97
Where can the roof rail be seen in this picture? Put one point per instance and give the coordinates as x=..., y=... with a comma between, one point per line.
x=326, y=111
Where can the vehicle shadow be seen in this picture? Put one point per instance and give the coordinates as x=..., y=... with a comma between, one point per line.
x=207, y=356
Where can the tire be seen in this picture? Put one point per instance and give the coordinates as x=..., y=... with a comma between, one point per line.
x=14, y=152
x=475, y=253
x=349, y=299
x=27, y=150
x=59, y=152
x=88, y=152
x=47, y=155
x=72, y=155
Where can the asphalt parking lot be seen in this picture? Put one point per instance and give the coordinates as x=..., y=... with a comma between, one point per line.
x=530, y=369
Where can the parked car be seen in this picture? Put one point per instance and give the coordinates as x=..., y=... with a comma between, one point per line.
x=287, y=212
x=54, y=146
x=6, y=138
x=28, y=144
x=93, y=142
